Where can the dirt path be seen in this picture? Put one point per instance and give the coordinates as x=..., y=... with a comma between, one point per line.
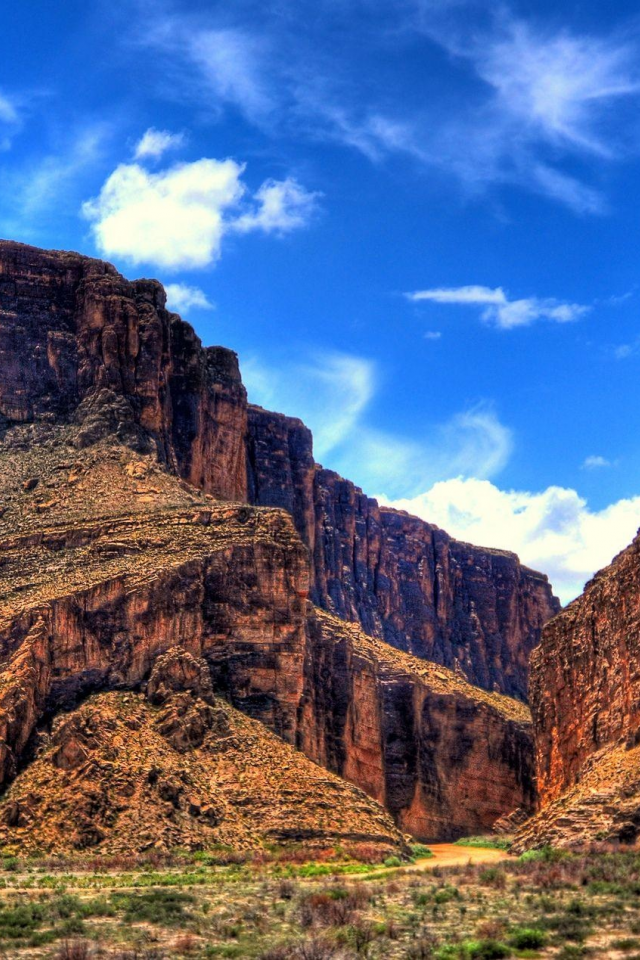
x=449, y=855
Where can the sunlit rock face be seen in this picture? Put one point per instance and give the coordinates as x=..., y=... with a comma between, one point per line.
x=585, y=700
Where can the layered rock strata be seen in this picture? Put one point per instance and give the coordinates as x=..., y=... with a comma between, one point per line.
x=109, y=562
x=178, y=768
x=585, y=698
x=107, y=356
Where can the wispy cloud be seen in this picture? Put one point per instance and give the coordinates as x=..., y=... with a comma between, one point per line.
x=524, y=102
x=9, y=119
x=177, y=217
x=499, y=309
x=595, y=462
x=332, y=393
x=35, y=190
x=183, y=298
x=554, y=531
x=154, y=143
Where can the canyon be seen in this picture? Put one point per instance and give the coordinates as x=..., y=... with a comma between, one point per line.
x=147, y=510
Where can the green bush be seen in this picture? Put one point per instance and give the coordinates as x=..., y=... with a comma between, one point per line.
x=528, y=938
x=491, y=843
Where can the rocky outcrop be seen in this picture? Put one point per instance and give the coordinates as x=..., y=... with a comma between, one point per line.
x=106, y=353
x=139, y=587
x=107, y=356
x=445, y=758
x=475, y=610
x=117, y=775
x=585, y=699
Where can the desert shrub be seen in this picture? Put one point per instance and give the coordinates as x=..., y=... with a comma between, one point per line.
x=73, y=950
x=421, y=949
x=493, y=843
x=528, y=938
x=420, y=852
x=163, y=907
x=287, y=889
x=493, y=877
x=21, y=922
x=488, y=950
x=308, y=950
x=392, y=862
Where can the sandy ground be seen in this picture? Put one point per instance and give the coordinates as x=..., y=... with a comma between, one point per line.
x=449, y=855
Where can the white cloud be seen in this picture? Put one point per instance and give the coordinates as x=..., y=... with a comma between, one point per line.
x=183, y=298
x=173, y=218
x=433, y=335
x=523, y=100
x=282, y=205
x=596, y=463
x=34, y=192
x=176, y=218
x=561, y=85
x=231, y=61
x=553, y=531
x=154, y=143
x=498, y=309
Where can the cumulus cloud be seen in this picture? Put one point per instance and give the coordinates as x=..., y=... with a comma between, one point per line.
x=554, y=531
x=498, y=309
x=183, y=298
x=154, y=143
x=282, y=205
x=177, y=217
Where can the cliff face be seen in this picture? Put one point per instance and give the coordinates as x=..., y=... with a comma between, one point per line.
x=585, y=699
x=475, y=610
x=120, y=441
x=105, y=352
x=110, y=562
x=107, y=355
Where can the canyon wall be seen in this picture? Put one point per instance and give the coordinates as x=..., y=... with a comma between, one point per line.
x=90, y=603
x=106, y=355
x=585, y=701
x=79, y=341
x=475, y=610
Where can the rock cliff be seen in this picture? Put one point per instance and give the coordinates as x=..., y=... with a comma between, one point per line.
x=110, y=561
x=107, y=356
x=585, y=699
x=477, y=611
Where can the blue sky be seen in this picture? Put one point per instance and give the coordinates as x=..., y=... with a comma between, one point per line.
x=416, y=222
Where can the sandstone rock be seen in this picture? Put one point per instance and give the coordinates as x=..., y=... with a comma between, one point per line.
x=475, y=610
x=108, y=357
x=585, y=699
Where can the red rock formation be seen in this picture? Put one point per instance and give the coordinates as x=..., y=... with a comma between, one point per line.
x=94, y=601
x=105, y=351
x=475, y=610
x=585, y=698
